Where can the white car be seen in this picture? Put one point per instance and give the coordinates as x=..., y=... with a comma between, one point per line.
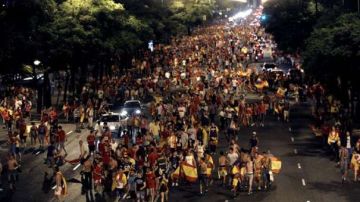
x=114, y=121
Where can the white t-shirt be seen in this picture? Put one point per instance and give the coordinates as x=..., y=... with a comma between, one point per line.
x=348, y=144
x=232, y=157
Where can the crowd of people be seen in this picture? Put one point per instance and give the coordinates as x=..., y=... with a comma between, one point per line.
x=200, y=86
x=333, y=125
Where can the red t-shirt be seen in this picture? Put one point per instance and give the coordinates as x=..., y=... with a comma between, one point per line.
x=150, y=180
x=61, y=136
x=153, y=156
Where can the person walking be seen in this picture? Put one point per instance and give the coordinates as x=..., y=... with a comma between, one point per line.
x=222, y=170
x=91, y=138
x=61, y=187
x=60, y=139
x=203, y=178
x=250, y=173
x=42, y=131
x=344, y=162
x=33, y=134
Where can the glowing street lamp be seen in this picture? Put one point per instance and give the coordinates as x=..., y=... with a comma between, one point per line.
x=37, y=62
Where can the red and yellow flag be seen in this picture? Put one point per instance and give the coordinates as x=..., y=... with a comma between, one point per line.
x=189, y=171
x=275, y=165
x=176, y=174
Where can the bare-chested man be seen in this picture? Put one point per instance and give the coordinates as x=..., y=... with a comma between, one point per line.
x=222, y=170
x=12, y=172
x=59, y=184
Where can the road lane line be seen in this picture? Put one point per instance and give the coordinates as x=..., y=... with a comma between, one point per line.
x=289, y=129
x=303, y=182
x=76, y=167
x=295, y=151
x=299, y=166
x=292, y=139
x=69, y=132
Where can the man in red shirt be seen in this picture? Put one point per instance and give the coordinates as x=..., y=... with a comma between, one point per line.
x=60, y=139
x=91, y=141
x=153, y=156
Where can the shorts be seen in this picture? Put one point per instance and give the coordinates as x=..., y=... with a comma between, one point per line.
x=222, y=171
x=163, y=188
x=140, y=194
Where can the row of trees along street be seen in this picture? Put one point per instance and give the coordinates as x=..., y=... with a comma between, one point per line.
x=89, y=37
x=326, y=34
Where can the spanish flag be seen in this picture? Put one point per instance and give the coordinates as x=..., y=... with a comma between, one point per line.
x=275, y=165
x=262, y=84
x=190, y=172
x=175, y=175
x=355, y=162
x=235, y=182
x=235, y=170
x=210, y=166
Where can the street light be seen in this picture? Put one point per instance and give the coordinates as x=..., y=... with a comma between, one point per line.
x=37, y=62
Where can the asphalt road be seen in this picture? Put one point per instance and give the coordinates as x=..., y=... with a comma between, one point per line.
x=307, y=173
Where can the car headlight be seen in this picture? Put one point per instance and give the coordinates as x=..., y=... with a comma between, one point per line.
x=138, y=111
x=112, y=127
x=123, y=113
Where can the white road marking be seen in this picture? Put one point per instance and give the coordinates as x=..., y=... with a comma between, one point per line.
x=307, y=201
x=295, y=151
x=289, y=129
x=77, y=166
x=303, y=182
x=299, y=166
x=37, y=153
x=292, y=139
x=69, y=132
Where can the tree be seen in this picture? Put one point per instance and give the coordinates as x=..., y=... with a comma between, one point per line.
x=192, y=12
x=332, y=52
x=289, y=22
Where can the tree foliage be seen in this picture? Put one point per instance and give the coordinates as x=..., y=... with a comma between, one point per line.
x=290, y=22
x=333, y=50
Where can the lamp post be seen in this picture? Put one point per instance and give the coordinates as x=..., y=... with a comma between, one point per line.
x=39, y=91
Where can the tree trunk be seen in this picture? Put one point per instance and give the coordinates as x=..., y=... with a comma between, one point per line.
x=47, y=90
x=66, y=86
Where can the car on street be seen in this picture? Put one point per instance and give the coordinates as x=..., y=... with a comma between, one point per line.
x=131, y=108
x=114, y=121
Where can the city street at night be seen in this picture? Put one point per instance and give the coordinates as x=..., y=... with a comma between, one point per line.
x=179, y=100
